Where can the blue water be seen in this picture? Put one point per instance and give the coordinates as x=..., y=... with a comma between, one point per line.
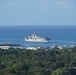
x=60, y=35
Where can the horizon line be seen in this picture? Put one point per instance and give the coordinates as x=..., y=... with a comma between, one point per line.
x=37, y=25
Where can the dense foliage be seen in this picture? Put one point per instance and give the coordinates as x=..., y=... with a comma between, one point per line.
x=40, y=62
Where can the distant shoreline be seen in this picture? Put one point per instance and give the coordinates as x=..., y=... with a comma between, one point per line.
x=10, y=44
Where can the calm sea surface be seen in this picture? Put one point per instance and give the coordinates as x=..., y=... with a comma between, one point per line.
x=60, y=35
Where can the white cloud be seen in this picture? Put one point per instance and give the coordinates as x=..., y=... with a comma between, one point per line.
x=8, y=4
x=63, y=4
x=46, y=7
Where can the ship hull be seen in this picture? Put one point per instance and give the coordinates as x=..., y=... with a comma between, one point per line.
x=33, y=40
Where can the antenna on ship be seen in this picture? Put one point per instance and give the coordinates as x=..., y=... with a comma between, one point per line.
x=35, y=33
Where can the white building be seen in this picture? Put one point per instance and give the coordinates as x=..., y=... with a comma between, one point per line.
x=61, y=47
x=54, y=46
x=72, y=46
x=33, y=48
x=4, y=47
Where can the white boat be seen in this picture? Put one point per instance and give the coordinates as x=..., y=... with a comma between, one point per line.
x=36, y=38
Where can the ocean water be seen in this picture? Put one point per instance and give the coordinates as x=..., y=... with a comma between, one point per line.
x=60, y=35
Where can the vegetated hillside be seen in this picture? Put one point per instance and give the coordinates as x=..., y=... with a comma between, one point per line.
x=40, y=62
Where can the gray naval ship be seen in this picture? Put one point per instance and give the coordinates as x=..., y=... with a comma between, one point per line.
x=36, y=38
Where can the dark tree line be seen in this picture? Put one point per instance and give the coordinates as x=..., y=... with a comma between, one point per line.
x=40, y=62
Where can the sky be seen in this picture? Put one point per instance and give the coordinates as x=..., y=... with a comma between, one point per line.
x=37, y=12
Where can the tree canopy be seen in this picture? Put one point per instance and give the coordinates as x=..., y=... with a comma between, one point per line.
x=40, y=62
